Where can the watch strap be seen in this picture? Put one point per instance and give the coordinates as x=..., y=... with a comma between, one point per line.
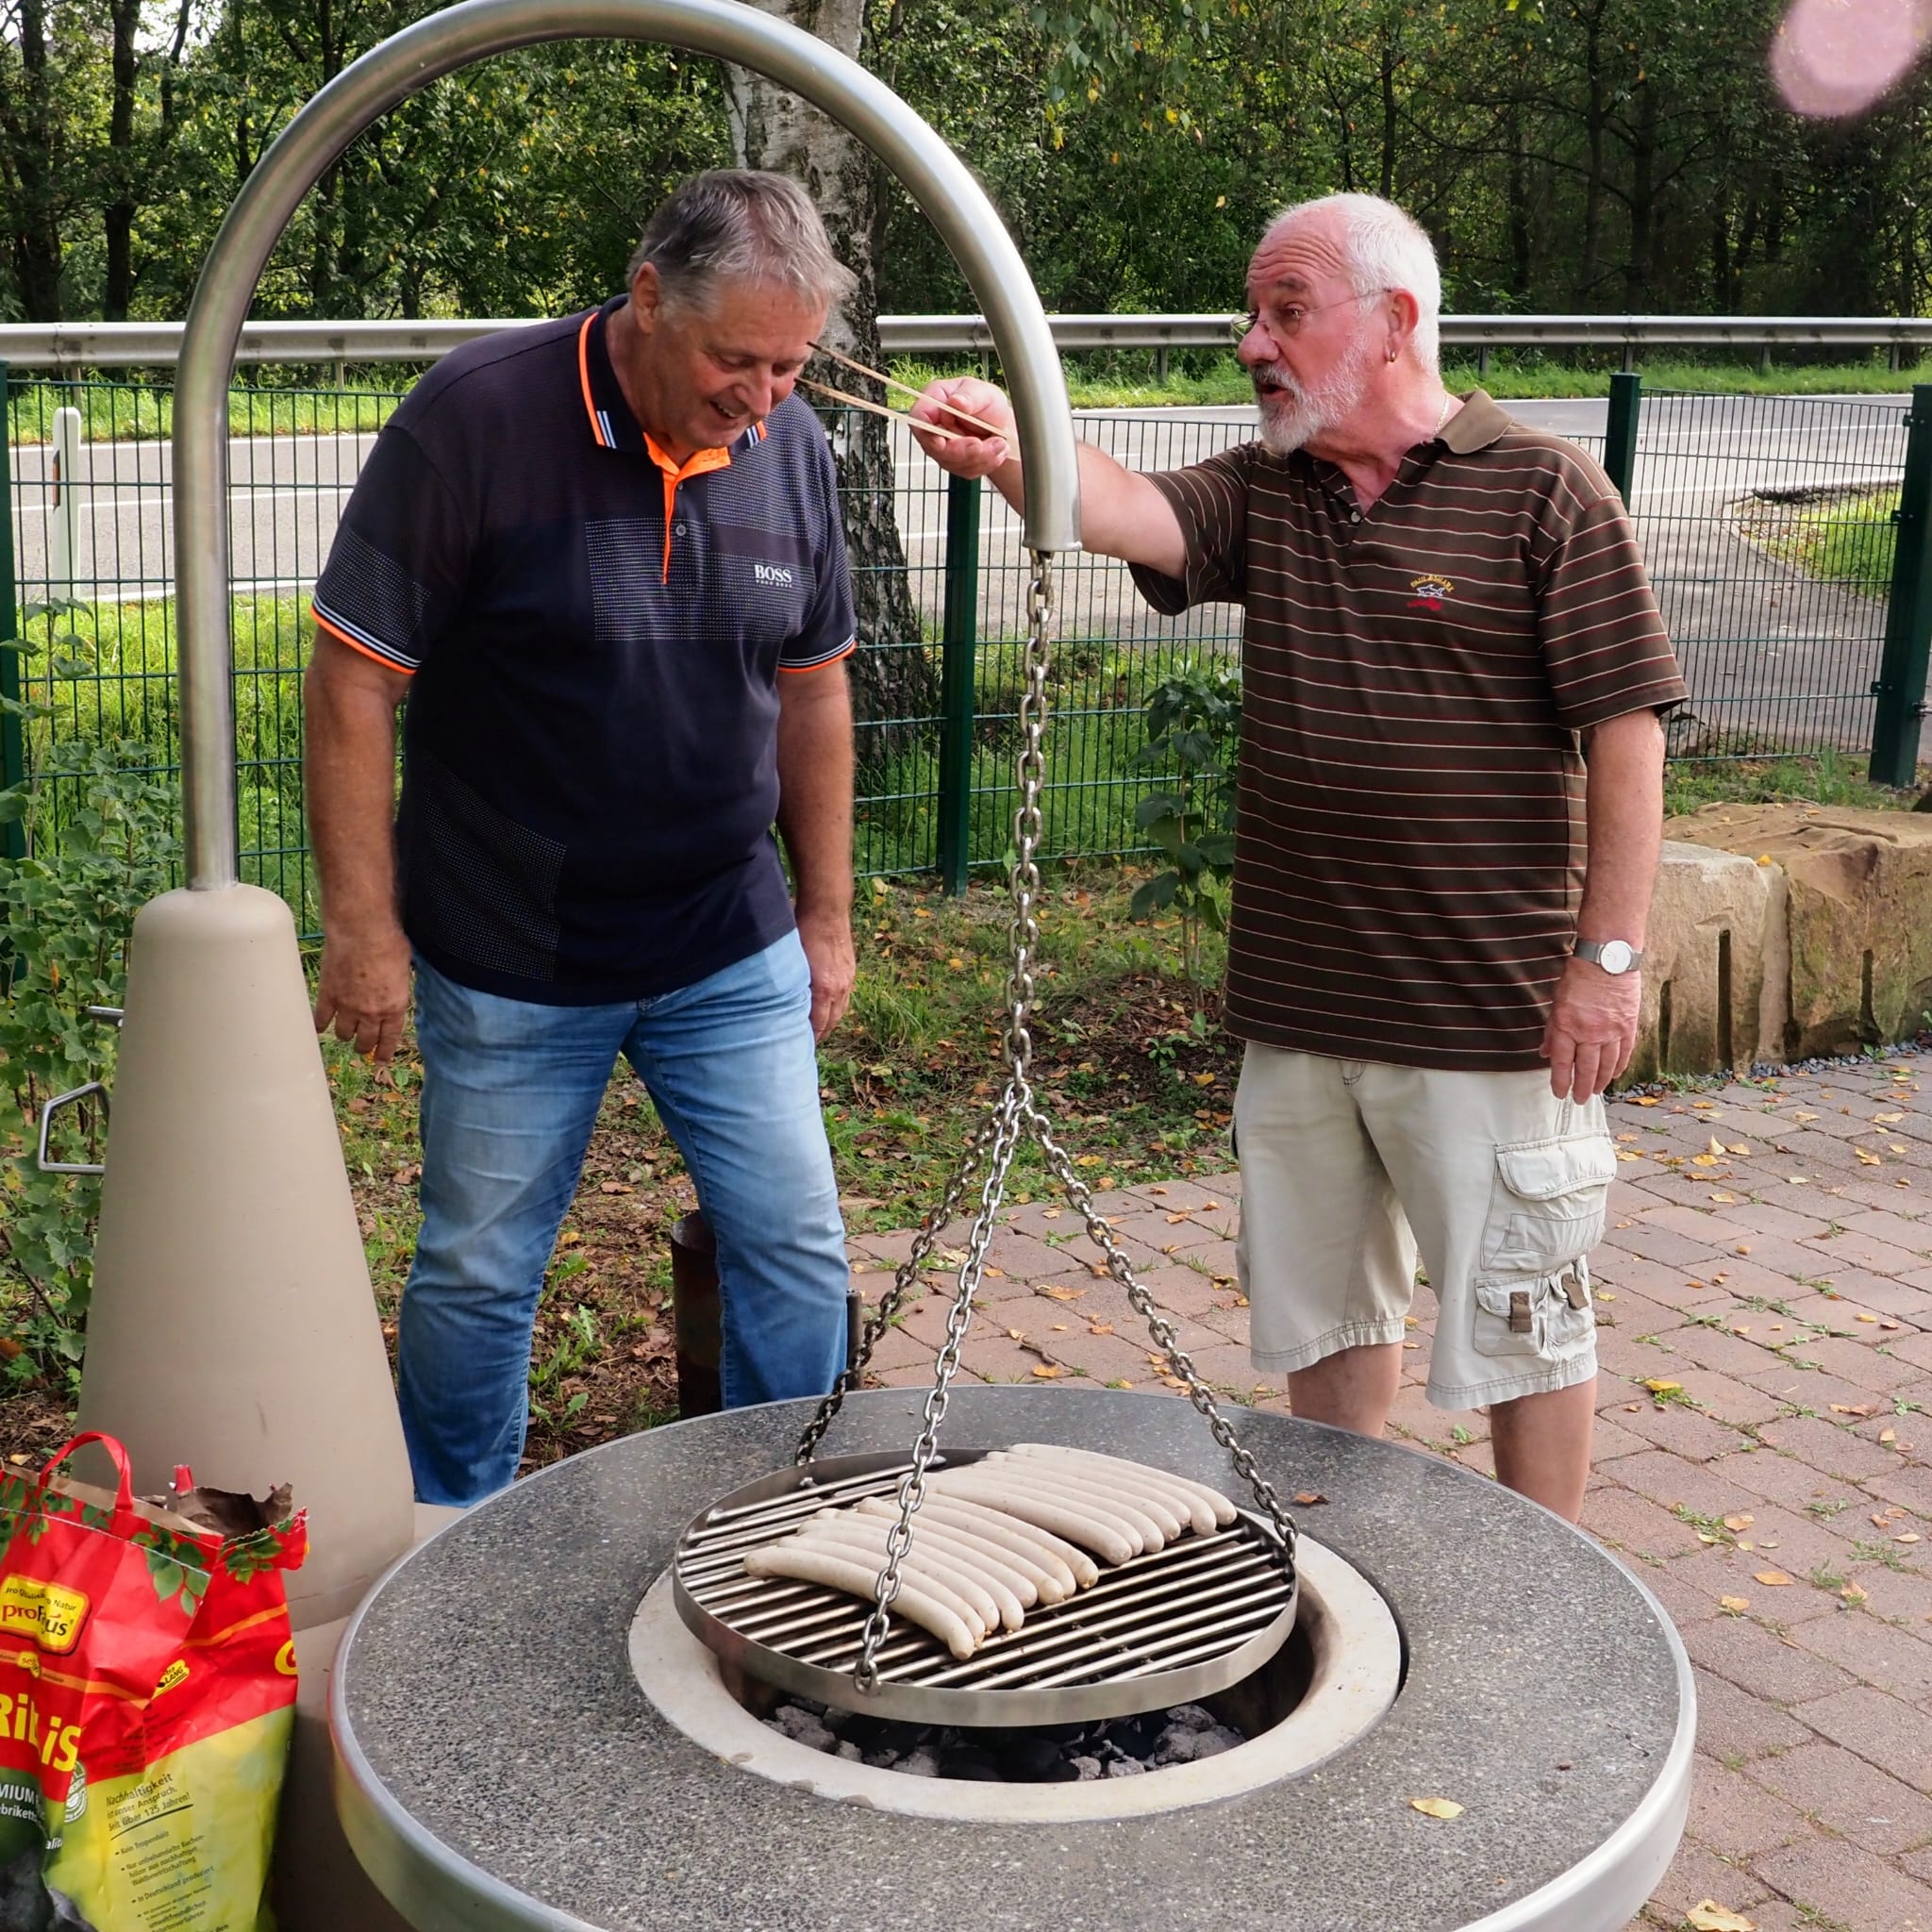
x=1592, y=950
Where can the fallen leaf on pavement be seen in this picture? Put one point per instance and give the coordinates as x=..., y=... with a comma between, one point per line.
x=1740, y=1522
x=1853, y=1594
x=1717, y=1146
x=1771, y=1579
x=1887, y=1435
x=1307, y=1499
x=1662, y=1387
x=1046, y=1372
x=1850, y=1409
x=1437, y=1807
x=1708, y=1916
x=1735, y=1605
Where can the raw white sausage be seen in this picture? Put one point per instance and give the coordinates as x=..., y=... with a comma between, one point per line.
x=1068, y=1566
x=819, y=1563
x=1020, y=1575
x=1159, y=1521
x=928, y=1571
x=1080, y=1522
x=997, y=1605
x=1207, y=1507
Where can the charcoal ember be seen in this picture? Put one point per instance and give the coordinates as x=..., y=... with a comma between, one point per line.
x=974, y=1765
x=1190, y=1716
x=1062, y=1734
x=1086, y=1769
x=1175, y=1745
x=924, y=1762
x=867, y=1731
x=881, y=1757
x=1125, y=1767
x=802, y=1727
x=1136, y=1736
x=846, y=1749
x=1060, y=1773
x=1212, y=1743
x=1025, y=1756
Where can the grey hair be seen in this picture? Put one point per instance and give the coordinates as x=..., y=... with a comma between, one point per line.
x=741, y=224
x=1385, y=248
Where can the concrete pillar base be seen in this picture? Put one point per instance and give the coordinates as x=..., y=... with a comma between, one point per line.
x=318, y=1886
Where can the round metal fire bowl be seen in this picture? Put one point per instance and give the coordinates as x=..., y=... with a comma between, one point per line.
x=500, y=1770
x=920, y=1682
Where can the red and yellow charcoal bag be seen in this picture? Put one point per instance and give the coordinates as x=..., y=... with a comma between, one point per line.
x=147, y=1691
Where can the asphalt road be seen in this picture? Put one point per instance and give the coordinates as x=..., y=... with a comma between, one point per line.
x=1766, y=649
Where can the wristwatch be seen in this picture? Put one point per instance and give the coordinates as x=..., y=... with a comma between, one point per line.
x=1613, y=955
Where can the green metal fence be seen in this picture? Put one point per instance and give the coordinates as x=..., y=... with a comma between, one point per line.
x=1797, y=582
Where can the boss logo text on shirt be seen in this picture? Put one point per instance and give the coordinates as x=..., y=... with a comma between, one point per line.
x=771, y=574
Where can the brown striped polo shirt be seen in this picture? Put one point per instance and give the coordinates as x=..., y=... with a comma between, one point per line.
x=1409, y=853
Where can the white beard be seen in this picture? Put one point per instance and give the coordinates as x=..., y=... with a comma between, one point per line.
x=1292, y=415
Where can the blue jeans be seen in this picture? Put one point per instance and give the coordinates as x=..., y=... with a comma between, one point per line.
x=511, y=1093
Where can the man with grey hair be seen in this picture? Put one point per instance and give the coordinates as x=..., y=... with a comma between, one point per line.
x=1451, y=804
x=602, y=560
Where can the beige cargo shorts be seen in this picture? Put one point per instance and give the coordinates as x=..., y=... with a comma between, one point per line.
x=1350, y=1167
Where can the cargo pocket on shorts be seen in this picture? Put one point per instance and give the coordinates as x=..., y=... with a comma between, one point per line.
x=1546, y=1212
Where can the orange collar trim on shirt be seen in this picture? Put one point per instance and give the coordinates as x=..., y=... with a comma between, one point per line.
x=604, y=432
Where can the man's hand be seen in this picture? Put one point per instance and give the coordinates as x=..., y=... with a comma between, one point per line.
x=364, y=989
x=966, y=450
x=1593, y=1029
x=827, y=940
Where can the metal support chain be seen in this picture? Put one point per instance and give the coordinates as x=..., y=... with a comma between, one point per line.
x=1015, y=1115
x=1143, y=1304
x=889, y=1303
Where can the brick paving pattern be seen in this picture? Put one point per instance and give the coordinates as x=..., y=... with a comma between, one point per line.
x=1763, y=1449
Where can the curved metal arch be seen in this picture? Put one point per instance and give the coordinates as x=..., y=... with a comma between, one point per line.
x=402, y=65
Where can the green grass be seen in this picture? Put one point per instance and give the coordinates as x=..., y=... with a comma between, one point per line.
x=1842, y=537
x=131, y=412
x=1829, y=778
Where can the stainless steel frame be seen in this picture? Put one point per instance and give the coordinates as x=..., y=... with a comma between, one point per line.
x=1165, y=1629
x=404, y=64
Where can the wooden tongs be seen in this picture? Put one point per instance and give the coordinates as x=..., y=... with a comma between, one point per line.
x=824, y=388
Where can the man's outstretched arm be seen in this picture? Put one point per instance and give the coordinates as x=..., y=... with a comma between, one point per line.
x=1122, y=514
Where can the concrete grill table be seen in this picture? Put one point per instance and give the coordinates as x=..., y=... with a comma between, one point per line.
x=500, y=1766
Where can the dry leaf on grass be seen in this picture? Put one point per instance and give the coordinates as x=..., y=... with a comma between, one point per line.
x=1437, y=1807
x=1708, y=1916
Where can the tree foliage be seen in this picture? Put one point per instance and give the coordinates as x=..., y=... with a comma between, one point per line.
x=1566, y=153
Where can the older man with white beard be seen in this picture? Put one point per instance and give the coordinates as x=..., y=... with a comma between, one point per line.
x=1451, y=804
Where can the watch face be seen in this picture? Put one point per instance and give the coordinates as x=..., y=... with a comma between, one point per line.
x=1615, y=957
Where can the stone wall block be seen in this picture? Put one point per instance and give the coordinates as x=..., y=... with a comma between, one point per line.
x=1858, y=921
x=1714, y=966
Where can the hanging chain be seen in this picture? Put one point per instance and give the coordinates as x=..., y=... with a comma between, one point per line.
x=1015, y=1116
x=1015, y=1107
x=1164, y=1338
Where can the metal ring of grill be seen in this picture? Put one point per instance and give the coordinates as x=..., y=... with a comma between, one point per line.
x=1166, y=1628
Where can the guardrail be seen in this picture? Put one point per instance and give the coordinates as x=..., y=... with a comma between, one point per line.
x=153, y=344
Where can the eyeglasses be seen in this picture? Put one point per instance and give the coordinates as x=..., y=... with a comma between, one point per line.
x=1286, y=322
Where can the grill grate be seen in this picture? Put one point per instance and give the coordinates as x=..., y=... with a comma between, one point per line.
x=1166, y=1628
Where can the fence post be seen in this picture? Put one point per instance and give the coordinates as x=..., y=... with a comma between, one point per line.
x=1901, y=687
x=960, y=643
x=12, y=739
x=1620, y=431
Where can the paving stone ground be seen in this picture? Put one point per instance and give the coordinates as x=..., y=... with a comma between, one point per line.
x=1763, y=1448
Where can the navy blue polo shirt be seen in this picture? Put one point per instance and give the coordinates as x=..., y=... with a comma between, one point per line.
x=595, y=636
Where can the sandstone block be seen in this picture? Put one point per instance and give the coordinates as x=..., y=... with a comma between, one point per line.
x=1715, y=964
x=1858, y=916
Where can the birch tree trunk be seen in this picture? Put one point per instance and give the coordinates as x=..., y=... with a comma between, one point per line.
x=773, y=128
